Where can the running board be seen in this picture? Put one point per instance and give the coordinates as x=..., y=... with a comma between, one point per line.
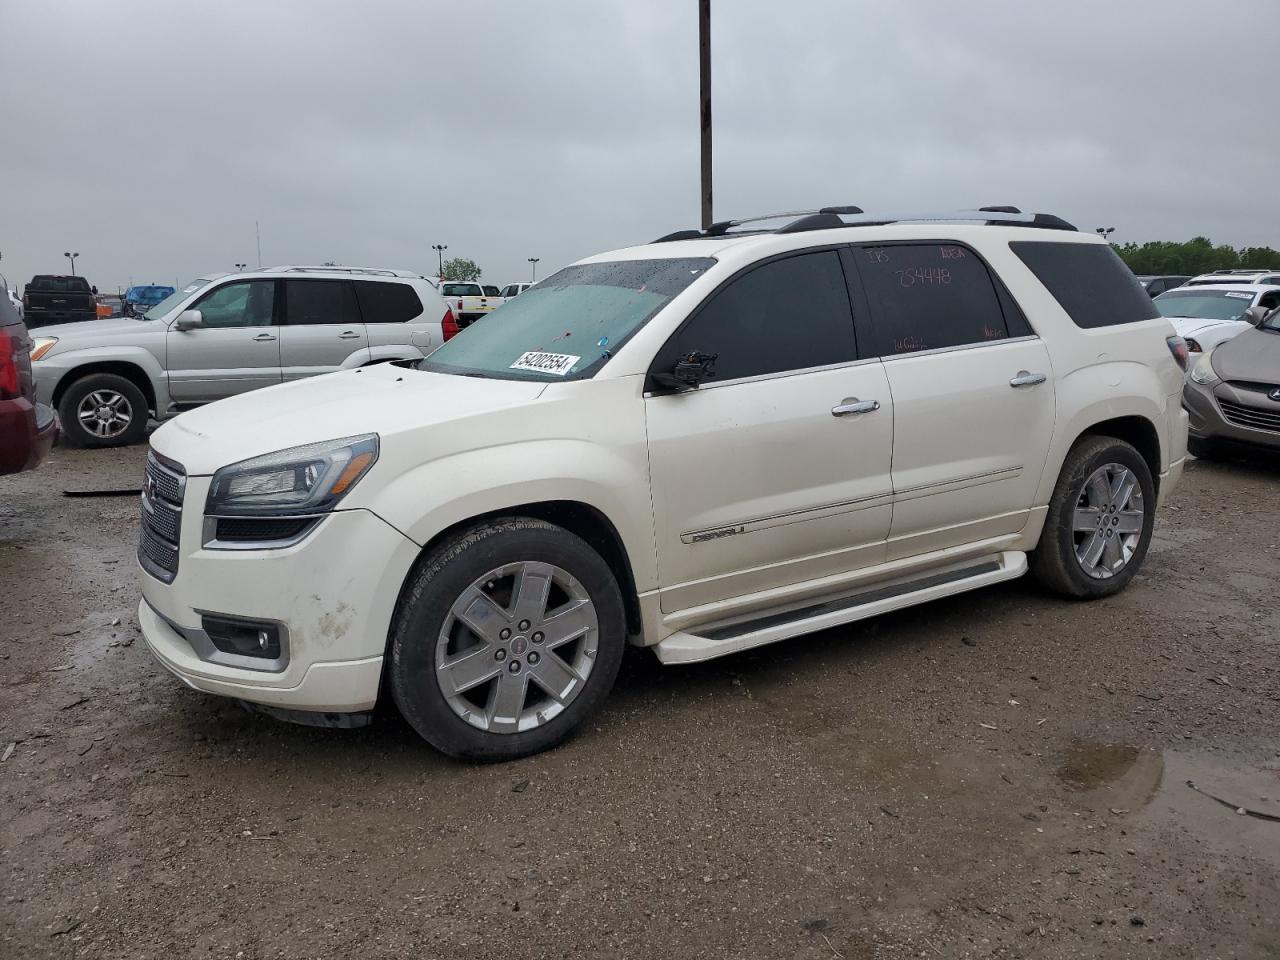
x=716, y=641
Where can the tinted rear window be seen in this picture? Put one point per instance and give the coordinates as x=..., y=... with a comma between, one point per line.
x=60, y=284
x=382, y=302
x=1089, y=281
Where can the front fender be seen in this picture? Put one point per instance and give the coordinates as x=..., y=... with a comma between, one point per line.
x=53, y=369
x=443, y=492
x=1101, y=392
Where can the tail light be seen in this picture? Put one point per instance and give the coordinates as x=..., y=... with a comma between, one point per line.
x=26, y=300
x=459, y=306
x=10, y=380
x=1178, y=347
x=449, y=325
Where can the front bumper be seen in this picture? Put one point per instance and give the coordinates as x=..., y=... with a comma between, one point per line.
x=334, y=594
x=1257, y=424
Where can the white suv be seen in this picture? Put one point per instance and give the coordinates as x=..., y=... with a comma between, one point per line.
x=658, y=445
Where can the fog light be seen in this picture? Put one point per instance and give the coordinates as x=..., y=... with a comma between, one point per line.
x=245, y=638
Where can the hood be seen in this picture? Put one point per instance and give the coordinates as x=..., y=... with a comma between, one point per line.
x=382, y=399
x=97, y=329
x=1252, y=356
x=1195, y=326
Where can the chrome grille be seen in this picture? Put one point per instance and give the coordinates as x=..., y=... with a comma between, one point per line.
x=163, y=486
x=1244, y=416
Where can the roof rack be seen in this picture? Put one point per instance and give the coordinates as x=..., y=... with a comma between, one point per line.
x=829, y=218
x=364, y=271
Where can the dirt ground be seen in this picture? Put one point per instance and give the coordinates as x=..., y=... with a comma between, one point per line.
x=996, y=775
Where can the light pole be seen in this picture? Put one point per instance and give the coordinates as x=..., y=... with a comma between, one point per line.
x=704, y=104
x=72, y=258
x=240, y=267
x=1105, y=233
x=439, y=248
x=534, y=275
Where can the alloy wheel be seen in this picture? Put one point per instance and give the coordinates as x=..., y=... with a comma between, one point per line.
x=516, y=647
x=105, y=414
x=1109, y=520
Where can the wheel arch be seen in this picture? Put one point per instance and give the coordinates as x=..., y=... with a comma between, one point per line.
x=1137, y=431
x=121, y=368
x=579, y=518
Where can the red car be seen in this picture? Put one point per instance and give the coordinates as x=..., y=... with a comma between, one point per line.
x=27, y=429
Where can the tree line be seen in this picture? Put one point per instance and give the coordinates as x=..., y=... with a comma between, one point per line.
x=1198, y=255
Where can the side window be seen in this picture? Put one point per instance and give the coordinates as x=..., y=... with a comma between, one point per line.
x=1089, y=281
x=509, y=290
x=248, y=303
x=928, y=296
x=785, y=315
x=387, y=302
x=1270, y=280
x=490, y=291
x=1156, y=287
x=1269, y=301
x=312, y=302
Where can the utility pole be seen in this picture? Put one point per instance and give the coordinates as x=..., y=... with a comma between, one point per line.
x=534, y=275
x=1105, y=233
x=72, y=258
x=240, y=267
x=439, y=248
x=704, y=70
x=258, y=236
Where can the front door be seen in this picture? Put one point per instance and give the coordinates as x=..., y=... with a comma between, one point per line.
x=776, y=471
x=322, y=328
x=237, y=348
x=973, y=395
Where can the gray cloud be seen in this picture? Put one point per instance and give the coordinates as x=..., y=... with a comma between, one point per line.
x=151, y=135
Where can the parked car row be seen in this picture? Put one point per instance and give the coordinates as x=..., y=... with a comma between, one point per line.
x=228, y=333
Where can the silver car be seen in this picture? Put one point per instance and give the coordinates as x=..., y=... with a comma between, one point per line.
x=228, y=333
x=1232, y=395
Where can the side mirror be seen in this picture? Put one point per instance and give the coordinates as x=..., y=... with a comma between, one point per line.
x=689, y=372
x=189, y=320
x=1255, y=315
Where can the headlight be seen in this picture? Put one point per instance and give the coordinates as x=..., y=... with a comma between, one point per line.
x=42, y=345
x=295, y=482
x=1202, y=370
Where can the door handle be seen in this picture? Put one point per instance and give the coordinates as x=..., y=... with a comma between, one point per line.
x=1025, y=379
x=265, y=337
x=853, y=405
x=348, y=335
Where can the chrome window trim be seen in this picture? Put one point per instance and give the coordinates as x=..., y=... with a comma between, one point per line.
x=760, y=377
x=961, y=346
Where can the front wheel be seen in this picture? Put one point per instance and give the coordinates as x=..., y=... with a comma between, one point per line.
x=506, y=638
x=103, y=410
x=1099, y=523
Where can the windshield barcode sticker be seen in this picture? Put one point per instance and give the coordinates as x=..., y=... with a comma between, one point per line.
x=1241, y=296
x=556, y=363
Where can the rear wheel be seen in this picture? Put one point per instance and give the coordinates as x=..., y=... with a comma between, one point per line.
x=1099, y=524
x=506, y=638
x=103, y=410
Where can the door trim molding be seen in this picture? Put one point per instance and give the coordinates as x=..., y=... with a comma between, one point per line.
x=847, y=506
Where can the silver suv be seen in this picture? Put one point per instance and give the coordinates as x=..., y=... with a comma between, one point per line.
x=226, y=334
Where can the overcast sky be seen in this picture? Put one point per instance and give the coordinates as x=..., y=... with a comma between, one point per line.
x=149, y=136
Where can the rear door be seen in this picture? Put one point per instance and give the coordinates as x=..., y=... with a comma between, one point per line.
x=236, y=349
x=321, y=327
x=395, y=317
x=973, y=394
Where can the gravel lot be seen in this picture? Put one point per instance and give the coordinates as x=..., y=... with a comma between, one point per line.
x=995, y=775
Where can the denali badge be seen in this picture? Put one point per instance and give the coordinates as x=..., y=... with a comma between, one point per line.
x=716, y=534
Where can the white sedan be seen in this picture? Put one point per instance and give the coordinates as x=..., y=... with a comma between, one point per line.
x=1206, y=316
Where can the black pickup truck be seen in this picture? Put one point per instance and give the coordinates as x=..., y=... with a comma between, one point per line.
x=53, y=299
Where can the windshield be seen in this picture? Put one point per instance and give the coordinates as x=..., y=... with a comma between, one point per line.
x=173, y=299
x=567, y=326
x=1204, y=304
x=461, y=290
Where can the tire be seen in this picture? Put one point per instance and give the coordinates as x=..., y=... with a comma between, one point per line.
x=1055, y=562
x=116, y=392
x=1203, y=449
x=478, y=573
